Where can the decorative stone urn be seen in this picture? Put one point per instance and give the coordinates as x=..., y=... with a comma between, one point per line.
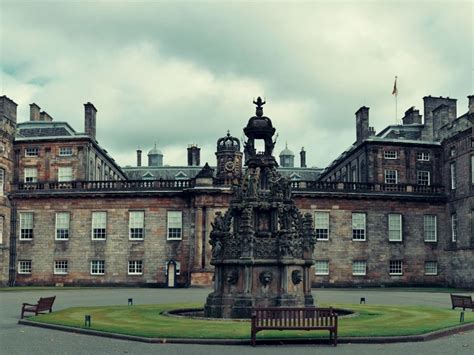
x=262, y=246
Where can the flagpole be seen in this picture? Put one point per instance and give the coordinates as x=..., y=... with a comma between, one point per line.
x=395, y=92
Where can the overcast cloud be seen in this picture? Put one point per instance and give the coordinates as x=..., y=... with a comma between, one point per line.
x=177, y=73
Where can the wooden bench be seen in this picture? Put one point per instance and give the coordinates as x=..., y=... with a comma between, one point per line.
x=44, y=304
x=462, y=301
x=291, y=318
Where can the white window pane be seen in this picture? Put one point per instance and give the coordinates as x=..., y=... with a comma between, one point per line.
x=65, y=173
x=359, y=267
x=395, y=227
x=321, y=267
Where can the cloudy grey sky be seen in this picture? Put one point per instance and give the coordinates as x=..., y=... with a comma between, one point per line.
x=177, y=73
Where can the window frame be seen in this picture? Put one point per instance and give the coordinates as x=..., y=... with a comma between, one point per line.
x=99, y=266
x=94, y=228
x=357, y=273
x=29, y=269
x=452, y=175
x=33, y=177
x=354, y=230
x=130, y=220
x=392, y=273
x=327, y=221
x=427, y=228
x=59, y=270
x=386, y=177
x=169, y=230
x=31, y=233
x=133, y=264
x=321, y=273
x=62, y=176
x=31, y=152
x=387, y=154
x=391, y=230
x=454, y=227
x=423, y=156
x=63, y=153
x=66, y=230
x=420, y=178
x=433, y=262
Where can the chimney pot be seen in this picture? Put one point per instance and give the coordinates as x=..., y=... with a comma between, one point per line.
x=471, y=103
x=303, y=158
x=139, y=157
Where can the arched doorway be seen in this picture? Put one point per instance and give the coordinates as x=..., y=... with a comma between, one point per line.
x=171, y=274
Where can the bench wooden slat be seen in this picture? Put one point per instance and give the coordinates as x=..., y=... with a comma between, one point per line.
x=294, y=318
x=44, y=304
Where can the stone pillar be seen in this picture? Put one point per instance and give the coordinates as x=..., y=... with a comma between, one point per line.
x=198, y=239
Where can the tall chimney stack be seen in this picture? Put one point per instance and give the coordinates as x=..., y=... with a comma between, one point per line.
x=194, y=155
x=139, y=157
x=471, y=103
x=34, y=112
x=362, y=124
x=90, y=113
x=303, y=158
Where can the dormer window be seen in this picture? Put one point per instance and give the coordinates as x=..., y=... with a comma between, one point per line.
x=148, y=176
x=31, y=152
x=390, y=154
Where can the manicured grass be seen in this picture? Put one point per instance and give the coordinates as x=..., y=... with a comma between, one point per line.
x=146, y=321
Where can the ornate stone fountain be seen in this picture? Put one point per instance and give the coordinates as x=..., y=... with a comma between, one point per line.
x=262, y=246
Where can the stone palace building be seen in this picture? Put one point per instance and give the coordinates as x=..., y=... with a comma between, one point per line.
x=396, y=208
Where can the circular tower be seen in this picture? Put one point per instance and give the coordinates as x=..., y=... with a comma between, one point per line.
x=229, y=158
x=262, y=246
x=155, y=157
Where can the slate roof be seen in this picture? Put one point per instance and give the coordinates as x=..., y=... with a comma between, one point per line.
x=44, y=129
x=189, y=172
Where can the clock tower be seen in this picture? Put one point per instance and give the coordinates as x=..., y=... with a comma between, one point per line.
x=229, y=158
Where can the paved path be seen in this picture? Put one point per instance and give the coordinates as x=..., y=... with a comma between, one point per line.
x=17, y=339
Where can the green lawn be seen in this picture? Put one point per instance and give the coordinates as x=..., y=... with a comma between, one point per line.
x=146, y=320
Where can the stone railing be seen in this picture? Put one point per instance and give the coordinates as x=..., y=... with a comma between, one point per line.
x=122, y=185
x=163, y=185
x=365, y=187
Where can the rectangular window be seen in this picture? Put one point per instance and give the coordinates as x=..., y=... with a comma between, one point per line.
x=62, y=225
x=452, y=169
x=431, y=268
x=430, y=228
x=358, y=226
x=31, y=152
x=359, y=267
x=65, y=173
x=321, y=267
x=97, y=267
x=396, y=267
x=395, y=227
x=454, y=227
x=472, y=169
x=390, y=154
x=99, y=225
x=26, y=225
x=422, y=156
x=60, y=267
x=391, y=176
x=175, y=225
x=65, y=151
x=2, y=181
x=135, y=267
x=423, y=178
x=31, y=174
x=321, y=223
x=136, y=224
x=2, y=220
x=24, y=267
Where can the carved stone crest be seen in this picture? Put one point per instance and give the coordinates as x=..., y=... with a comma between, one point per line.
x=296, y=277
x=232, y=276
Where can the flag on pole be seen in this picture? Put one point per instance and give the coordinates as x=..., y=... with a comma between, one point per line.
x=395, y=90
